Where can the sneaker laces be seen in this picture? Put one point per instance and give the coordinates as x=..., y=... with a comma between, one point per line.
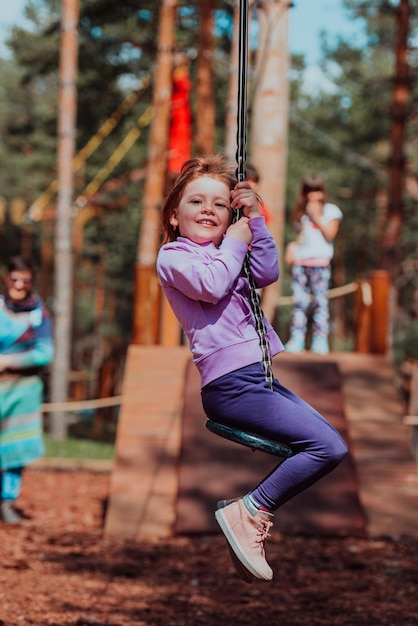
x=263, y=530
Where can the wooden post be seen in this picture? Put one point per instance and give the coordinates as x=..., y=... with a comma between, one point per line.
x=170, y=332
x=17, y=211
x=412, y=418
x=3, y=207
x=380, y=285
x=413, y=397
x=363, y=317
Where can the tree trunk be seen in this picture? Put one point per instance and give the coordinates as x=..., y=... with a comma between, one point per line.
x=63, y=239
x=146, y=304
x=392, y=233
x=205, y=102
x=270, y=122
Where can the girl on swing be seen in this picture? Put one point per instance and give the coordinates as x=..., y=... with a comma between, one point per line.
x=200, y=270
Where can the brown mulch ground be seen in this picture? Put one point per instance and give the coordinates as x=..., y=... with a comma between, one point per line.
x=58, y=569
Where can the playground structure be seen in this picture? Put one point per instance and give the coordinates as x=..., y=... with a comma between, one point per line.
x=145, y=483
x=149, y=439
x=154, y=490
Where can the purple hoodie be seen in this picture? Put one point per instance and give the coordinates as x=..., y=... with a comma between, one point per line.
x=210, y=297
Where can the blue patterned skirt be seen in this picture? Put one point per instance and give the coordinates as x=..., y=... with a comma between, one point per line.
x=21, y=430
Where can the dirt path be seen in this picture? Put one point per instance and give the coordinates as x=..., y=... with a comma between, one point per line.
x=56, y=569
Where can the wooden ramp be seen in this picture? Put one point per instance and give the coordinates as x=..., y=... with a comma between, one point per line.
x=143, y=499
x=387, y=473
x=143, y=487
x=212, y=468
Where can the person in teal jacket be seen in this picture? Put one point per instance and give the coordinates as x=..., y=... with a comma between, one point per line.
x=26, y=346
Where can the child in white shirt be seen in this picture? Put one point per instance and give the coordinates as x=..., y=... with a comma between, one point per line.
x=317, y=223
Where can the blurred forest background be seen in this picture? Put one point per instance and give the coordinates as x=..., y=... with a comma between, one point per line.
x=343, y=129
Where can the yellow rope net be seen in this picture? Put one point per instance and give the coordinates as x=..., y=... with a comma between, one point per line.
x=125, y=145
x=36, y=209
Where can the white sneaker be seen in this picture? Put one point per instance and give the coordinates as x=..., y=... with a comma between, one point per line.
x=295, y=346
x=320, y=345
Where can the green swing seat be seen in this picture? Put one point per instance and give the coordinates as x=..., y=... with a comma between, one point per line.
x=251, y=440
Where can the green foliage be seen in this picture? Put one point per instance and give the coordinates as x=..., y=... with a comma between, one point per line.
x=342, y=131
x=77, y=448
x=405, y=345
x=116, y=51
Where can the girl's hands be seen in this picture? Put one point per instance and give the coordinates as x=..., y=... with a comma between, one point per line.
x=5, y=362
x=240, y=230
x=244, y=197
x=314, y=210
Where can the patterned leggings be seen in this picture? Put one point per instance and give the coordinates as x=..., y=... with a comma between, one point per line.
x=307, y=280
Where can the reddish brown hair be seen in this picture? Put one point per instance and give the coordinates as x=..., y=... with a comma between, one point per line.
x=215, y=166
x=313, y=182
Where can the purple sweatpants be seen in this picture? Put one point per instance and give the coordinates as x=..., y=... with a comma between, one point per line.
x=244, y=399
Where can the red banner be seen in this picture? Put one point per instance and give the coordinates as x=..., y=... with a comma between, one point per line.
x=180, y=139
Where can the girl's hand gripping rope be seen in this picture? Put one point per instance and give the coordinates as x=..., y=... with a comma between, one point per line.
x=244, y=200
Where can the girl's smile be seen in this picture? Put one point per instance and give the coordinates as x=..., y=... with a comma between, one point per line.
x=204, y=211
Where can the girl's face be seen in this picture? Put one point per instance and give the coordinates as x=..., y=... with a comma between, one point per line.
x=204, y=211
x=315, y=198
x=18, y=284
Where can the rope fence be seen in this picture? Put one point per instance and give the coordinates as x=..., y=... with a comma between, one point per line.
x=336, y=292
x=81, y=405
x=101, y=403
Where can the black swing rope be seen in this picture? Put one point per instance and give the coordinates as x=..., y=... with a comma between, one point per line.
x=249, y=439
x=240, y=174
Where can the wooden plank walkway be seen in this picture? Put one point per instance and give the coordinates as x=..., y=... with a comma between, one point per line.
x=144, y=484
